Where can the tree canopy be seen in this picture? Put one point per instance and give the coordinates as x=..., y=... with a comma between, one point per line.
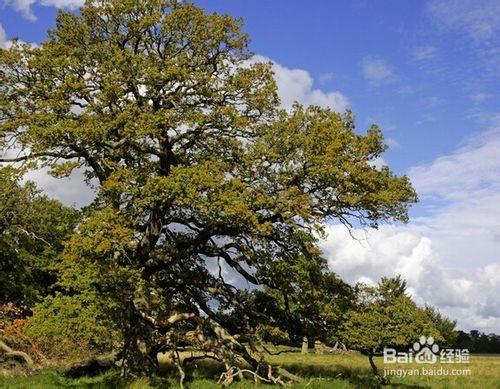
x=385, y=316
x=32, y=231
x=197, y=168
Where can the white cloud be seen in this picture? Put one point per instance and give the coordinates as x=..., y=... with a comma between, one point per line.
x=475, y=167
x=70, y=190
x=424, y=52
x=473, y=27
x=70, y=4
x=389, y=251
x=377, y=72
x=449, y=256
x=4, y=43
x=379, y=162
x=391, y=142
x=3, y=38
x=393, y=250
x=25, y=6
x=477, y=19
x=297, y=85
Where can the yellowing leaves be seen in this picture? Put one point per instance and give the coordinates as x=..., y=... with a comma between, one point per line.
x=102, y=236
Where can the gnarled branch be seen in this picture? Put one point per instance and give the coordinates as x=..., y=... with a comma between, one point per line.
x=9, y=352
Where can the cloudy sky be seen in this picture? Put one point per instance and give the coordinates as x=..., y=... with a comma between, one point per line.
x=428, y=72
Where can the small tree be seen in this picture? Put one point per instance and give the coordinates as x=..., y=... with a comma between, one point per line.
x=32, y=232
x=385, y=317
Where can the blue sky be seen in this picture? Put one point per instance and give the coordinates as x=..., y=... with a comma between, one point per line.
x=427, y=72
x=425, y=102
x=435, y=86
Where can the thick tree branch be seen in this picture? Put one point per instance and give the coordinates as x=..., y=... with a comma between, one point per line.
x=39, y=155
x=9, y=352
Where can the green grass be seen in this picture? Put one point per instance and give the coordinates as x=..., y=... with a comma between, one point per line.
x=51, y=379
x=318, y=371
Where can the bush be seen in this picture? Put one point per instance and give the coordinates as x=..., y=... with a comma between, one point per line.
x=72, y=327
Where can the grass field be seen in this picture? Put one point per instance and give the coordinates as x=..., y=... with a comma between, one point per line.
x=318, y=371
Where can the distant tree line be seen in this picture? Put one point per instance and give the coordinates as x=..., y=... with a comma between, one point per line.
x=478, y=342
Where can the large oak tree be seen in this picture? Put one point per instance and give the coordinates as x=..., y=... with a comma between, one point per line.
x=196, y=165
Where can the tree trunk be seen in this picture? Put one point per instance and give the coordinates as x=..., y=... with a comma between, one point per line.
x=305, y=345
x=139, y=359
x=372, y=364
x=381, y=379
x=140, y=353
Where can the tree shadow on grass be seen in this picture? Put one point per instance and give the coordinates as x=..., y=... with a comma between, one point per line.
x=203, y=369
x=358, y=377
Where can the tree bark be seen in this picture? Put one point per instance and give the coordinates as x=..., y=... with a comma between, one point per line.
x=140, y=352
x=372, y=364
x=381, y=379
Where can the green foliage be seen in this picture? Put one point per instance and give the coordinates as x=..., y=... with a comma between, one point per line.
x=73, y=327
x=85, y=317
x=478, y=342
x=445, y=326
x=32, y=231
x=386, y=317
x=272, y=334
x=311, y=303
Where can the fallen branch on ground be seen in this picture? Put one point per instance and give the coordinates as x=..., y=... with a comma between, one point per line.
x=10, y=353
x=227, y=377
